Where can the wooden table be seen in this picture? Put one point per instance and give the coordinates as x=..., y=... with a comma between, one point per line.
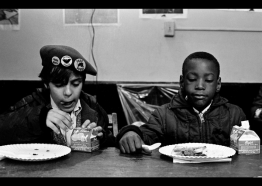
x=111, y=163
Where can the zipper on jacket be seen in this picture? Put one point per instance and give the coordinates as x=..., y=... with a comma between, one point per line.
x=203, y=136
x=202, y=120
x=203, y=125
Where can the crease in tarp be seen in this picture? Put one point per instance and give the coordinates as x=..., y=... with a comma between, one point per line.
x=139, y=101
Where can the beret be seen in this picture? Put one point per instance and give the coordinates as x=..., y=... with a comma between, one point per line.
x=60, y=55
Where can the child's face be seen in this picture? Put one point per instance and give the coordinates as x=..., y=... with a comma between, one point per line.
x=200, y=82
x=66, y=95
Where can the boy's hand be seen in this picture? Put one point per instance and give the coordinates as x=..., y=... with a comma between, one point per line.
x=97, y=130
x=130, y=142
x=59, y=118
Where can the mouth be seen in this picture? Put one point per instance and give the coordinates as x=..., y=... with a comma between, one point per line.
x=199, y=96
x=67, y=104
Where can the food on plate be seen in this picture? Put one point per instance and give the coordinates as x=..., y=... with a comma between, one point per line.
x=189, y=151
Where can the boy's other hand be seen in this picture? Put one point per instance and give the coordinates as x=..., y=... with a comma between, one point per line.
x=97, y=130
x=130, y=142
x=59, y=118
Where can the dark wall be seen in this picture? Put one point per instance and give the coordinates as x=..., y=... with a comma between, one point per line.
x=241, y=94
x=107, y=97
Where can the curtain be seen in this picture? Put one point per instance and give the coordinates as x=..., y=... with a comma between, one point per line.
x=140, y=100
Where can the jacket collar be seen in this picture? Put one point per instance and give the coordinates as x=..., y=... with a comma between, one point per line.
x=88, y=112
x=178, y=101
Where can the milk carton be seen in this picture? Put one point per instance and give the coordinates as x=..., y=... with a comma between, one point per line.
x=243, y=140
x=83, y=140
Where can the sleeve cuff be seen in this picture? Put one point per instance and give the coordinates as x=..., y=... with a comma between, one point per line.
x=127, y=129
x=257, y=113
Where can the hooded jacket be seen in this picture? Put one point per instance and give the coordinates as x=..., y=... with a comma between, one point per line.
x=25, y=122
x=177, y=122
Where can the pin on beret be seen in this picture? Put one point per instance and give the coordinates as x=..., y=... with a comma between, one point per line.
x=60, y=55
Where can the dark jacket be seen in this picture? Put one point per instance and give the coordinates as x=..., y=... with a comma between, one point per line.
x=25, y=122
x=177, y=122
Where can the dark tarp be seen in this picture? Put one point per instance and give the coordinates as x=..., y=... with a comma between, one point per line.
x=139, y=100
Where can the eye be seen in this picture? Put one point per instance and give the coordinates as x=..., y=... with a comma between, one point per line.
x=191, y=79
x=76, y=84
x=209, y=80
x=58, y=85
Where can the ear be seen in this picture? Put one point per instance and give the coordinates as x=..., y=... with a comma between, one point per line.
x=218, y=84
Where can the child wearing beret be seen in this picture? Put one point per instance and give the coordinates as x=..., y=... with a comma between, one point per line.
x=196, y=114
x=50, y=114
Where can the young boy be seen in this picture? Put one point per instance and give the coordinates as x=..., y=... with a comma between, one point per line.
x=196, y=114
x=49, y=115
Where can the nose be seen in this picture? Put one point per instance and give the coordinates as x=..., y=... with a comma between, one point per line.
x=67, y=91
x=200, y=84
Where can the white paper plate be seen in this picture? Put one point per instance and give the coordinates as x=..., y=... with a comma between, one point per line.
x=34, y=151
x=213, y=151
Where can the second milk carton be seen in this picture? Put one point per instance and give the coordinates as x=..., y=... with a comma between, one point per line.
x=243, y=140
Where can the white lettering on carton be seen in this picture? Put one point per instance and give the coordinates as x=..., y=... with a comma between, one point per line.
x=248, y=142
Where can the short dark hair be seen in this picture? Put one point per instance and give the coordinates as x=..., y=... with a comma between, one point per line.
x=202, y=55
x=58, y=74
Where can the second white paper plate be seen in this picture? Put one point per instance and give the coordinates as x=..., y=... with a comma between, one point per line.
x=213, y=151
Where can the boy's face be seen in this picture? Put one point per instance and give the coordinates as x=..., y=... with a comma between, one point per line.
x=200, y=82
x=66, y=96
